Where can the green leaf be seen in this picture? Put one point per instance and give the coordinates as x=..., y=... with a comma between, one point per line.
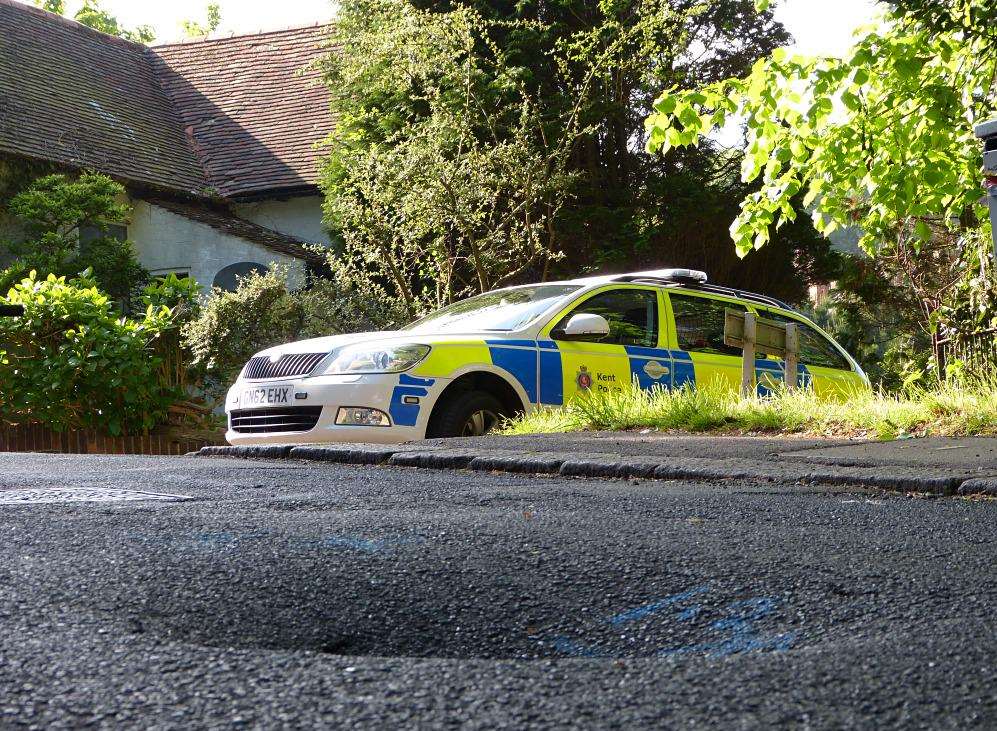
x=690, y=118
x=665, y=104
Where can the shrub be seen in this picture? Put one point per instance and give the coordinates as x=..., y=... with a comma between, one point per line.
x=348, y=302
x=262, y=312
x=181, y=298
x=232, y=326
x=71, y=362
x=53, y=210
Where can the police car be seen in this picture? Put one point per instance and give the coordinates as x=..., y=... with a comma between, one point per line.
x=462, y=369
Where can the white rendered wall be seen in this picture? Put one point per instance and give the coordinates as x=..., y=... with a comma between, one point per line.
x=300, y=217
x=165, y=241
x=10, y=232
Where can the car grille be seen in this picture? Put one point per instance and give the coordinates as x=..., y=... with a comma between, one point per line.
x=265, y=421
x=287, y=366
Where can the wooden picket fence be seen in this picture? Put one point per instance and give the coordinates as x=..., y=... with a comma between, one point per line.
x=38, y=438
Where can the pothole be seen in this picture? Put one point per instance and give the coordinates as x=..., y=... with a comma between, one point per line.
x=43, y=495
x=694, y=622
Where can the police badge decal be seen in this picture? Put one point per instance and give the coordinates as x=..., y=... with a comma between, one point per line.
x=584, y=379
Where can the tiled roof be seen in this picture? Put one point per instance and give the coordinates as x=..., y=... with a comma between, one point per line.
x=229, y=117
x=251, y=105
x=220, y=218
x=74, y=96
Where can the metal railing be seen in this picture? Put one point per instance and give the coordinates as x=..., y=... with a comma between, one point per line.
x=972, y=354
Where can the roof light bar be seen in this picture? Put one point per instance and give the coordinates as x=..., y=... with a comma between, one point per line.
x=679, y=276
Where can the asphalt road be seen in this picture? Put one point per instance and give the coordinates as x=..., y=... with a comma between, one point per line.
x=295, y=595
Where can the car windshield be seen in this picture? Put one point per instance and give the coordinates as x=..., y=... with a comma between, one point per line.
x=501, y=311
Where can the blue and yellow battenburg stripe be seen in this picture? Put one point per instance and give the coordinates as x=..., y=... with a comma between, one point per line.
x=403, y=414
x=539, y=367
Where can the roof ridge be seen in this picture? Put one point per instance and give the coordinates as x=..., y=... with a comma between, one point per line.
x=238, y=36
x=75, y=24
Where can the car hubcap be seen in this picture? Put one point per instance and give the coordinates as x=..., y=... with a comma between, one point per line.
x=478, y=423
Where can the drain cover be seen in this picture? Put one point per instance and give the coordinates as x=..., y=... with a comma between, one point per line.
x=79, y=495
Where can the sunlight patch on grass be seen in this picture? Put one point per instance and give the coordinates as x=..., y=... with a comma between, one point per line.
x=951, y=410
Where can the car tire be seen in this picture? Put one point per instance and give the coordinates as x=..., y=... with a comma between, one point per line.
x=466, y=414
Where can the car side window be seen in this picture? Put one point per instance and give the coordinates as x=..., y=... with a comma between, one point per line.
x=632, y=315
x=815, y=349
x=699, y=324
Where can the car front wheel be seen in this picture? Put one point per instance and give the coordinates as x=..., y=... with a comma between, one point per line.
x=467, y=414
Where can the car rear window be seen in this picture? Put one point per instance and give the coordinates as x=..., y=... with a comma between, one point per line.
x=815, y=349
x=699, y=324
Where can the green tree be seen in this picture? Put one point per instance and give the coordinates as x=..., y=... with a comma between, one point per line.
x=479, y=145
x=92, y=15
x=52, y=211
x=53, y=6
x=881, y=139
x=195, y=29
x=454, y=189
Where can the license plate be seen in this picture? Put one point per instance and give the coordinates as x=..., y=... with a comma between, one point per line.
x=259, y=396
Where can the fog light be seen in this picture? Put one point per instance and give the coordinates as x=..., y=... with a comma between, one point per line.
x=361, y=416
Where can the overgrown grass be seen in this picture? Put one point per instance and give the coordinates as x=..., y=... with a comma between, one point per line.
x=951, y=410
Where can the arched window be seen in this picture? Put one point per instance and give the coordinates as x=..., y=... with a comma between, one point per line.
x=228, y=278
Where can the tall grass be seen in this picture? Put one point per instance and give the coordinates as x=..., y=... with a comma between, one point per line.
x=968, y=409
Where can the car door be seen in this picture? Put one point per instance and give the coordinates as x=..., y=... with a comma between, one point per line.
x=697, y=336
x=822, y=365
x=602, y=364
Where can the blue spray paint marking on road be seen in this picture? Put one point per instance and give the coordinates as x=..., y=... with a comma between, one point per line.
x=743, y=635
x=224, y=539
x=570, y=648
x=365, y=545
x=654, y=607
x=689, y=614
x=359, y=543
x=736, y=627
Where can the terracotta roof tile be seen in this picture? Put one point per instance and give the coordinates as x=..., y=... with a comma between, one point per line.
x=252, y=106
x=236, y=116
x=78, y=97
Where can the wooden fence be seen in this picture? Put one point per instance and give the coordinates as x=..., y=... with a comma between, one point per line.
x=38, y=438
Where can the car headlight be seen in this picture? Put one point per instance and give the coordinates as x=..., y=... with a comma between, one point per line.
x=374, y=359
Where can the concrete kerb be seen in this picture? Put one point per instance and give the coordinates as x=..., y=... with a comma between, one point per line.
x=986, y=486
x=901, y=479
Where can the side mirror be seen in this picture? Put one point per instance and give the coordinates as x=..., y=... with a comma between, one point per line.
x=583, y=326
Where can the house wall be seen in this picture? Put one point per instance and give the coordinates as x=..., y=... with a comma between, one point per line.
x=300, y=217
x=165, y=241
x=11, y=232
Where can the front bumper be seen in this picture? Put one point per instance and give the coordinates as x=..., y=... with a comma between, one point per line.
x=386, y=392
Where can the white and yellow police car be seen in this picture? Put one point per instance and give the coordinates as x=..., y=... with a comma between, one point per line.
x=460, y=370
